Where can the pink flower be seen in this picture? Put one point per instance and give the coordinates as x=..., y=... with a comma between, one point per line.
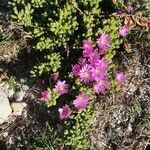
x=76, y=69
x=87, y=48
x=45, y=95
x=124, y=30
x=64, y=112
x=103, y=64
x=101, y=85
x=103, y=43
x=100, y=66
x=120, y=77
x=85, y=73
x=54, y=76
x=97, y=73
x=81, y=101
x=94, y=58
x=61, y=87
x=87, y=45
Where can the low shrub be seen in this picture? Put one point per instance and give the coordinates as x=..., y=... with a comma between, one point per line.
x=54, y=24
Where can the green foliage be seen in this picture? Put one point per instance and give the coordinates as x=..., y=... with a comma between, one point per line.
x=54, y=97
x=12, y=83
x=53, y=23
x=119, y=3
x=52, y=62
x=26, y=14
x=111, y=26
x=83, y=88
x=77, y=129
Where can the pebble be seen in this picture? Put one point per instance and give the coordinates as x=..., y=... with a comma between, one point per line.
x=129, y=127
x=18, y=108
x=5, y=134
x=10, y=93
x=25, y=87
x=19, y=95
x=22, y=80
x=132, y=88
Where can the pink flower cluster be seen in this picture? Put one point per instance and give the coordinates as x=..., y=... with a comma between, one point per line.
x=80, y=102
x=91, y=69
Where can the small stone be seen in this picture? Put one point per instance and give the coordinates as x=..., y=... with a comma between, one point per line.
x=24, y=113
x=5, y=109
x=2, y=84
x=10, y=93
x=25, y=87
x=132, y=88
x=18, y=108
x=5, y=134
x=22, y=80
x=129, y=127
x=19, y=95
x=32, y=96
x=10, y=141
x=6, y=86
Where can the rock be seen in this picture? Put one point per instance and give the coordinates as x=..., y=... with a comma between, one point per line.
x=18, y=108
x=2, y=84
x=19, y=95
x=22, y=80
x=6, y=88
x=24, y=113
x=25, y=87
x=129, y=129
x=5, y=134
x=10, y=93
x=5, y=109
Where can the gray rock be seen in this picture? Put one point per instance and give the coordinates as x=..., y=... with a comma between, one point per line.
x=6, y=88
x=22, y=80
x=19, y=95
x=25, y=87
x=5, y=109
